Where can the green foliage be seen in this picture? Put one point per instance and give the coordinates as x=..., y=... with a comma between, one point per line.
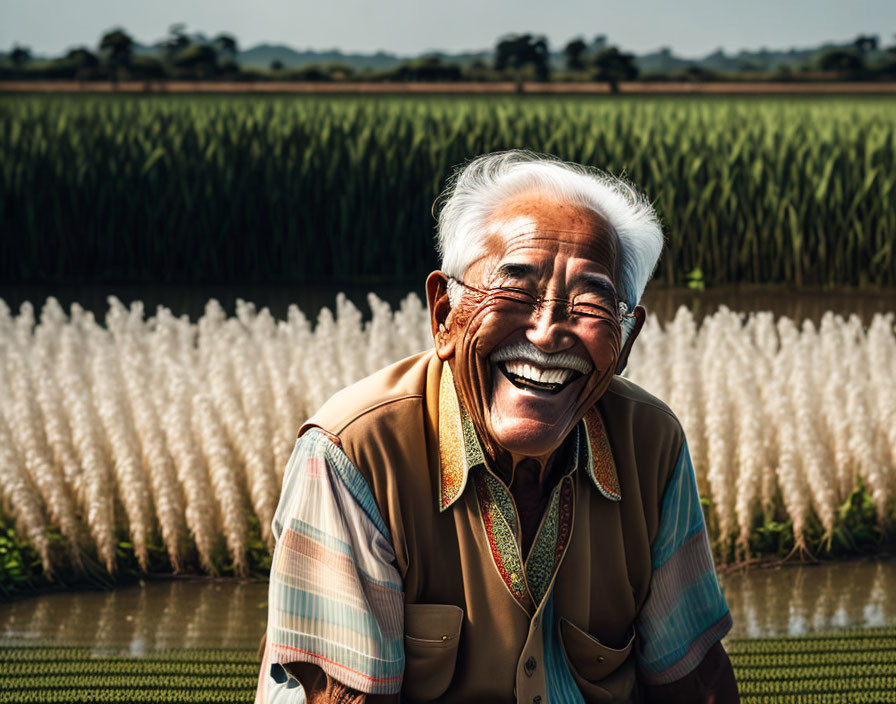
x=19, y=565
x=845, y=61
x=858, y=530
x=218, y=189
x=614, y=66
x=519, y=51
x=695, y=280
x=21, y=571
x=842, y=668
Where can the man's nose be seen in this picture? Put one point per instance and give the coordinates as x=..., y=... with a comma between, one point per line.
x=550, y=332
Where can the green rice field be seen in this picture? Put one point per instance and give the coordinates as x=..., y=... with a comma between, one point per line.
x=220, y=189
x=849, y=667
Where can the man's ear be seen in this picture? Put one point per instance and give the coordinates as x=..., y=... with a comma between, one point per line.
x=440, y=314
x=640, y=317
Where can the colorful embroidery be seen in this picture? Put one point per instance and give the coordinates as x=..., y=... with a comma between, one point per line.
x=540, y=561
x=460, y=454
x=601, y=467
x=452, y=442
x=565, y=520
x=551, y=541
x=501, y=540
x=503, y=500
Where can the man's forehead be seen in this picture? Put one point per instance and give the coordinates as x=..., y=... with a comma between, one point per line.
x=542, y=212
x=539, y=222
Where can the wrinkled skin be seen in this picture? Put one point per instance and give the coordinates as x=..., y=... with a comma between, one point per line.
x=560, y=251
x=566, y=249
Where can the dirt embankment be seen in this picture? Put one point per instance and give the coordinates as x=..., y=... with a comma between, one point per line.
x=631, y=88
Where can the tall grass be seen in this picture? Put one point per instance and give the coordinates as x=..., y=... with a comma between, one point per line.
x=161, y=432
x=216, y=189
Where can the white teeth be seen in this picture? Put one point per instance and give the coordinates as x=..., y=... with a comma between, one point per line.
x=525, y=353
x=543, y=376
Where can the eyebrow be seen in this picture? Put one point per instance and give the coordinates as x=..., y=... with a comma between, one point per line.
x=597, y=282
x=516, y=270
x=600, y=282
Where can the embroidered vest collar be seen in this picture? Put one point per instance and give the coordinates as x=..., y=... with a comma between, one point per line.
x=460, y=451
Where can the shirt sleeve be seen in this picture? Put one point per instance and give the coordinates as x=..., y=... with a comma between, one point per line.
x=685, y=612
x=335, y=598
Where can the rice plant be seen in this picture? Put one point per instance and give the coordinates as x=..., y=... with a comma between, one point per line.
x=850, y=667
x=299, y=189
x=170, y=438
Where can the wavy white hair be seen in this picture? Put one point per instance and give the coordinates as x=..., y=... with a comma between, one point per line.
x=476, y=190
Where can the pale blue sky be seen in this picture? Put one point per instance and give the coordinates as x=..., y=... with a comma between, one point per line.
x=690, y=27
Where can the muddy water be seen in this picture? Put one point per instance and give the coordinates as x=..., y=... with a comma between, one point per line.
x=812, y=598
x=138, y=619
x=159, y=615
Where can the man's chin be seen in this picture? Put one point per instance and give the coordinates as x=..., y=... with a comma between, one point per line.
x=530, y=423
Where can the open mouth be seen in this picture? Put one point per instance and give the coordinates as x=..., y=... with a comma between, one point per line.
x=524, y=375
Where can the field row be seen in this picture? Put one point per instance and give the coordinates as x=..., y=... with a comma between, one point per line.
x=865, y=672
x=216, y=189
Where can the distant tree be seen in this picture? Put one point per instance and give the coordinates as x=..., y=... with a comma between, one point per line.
x=81, y=63
x=20, y=56
x=574, y=54
x=118, y=48
x=198, y=60
x=848, y=62
x=863, y=44
x=426, y=68
x=276, y=65
x=516, y=51
x=310, y=72
x=338, y=71
x=177, y=40
x=613, y=66
x=599, y=43
x=226, y=44
x=697, y=73
x=83, y=57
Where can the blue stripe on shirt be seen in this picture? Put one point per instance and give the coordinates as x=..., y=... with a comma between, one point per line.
x=685, y=612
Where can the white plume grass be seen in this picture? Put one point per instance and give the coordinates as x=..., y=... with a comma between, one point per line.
x=191, y=424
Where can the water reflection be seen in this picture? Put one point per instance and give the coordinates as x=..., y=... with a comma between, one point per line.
x=811, y=598
x=142, y=619
x=229, y=614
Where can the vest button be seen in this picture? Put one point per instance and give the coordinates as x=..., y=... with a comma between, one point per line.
x=529, y=666
x=600, y=658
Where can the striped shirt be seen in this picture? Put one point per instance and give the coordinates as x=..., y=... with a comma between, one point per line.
x=336, y=599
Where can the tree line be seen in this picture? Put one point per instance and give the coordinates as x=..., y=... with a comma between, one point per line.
x=516, y=57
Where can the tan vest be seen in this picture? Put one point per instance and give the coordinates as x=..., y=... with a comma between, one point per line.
x=467, y=637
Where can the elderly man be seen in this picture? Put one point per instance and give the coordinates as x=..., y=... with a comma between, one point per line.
x=502, y=518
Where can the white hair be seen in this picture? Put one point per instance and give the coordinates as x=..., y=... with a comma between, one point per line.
x=478, y=189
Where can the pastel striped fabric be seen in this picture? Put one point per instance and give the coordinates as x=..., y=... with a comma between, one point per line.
x=685, y=612
x=335, y=598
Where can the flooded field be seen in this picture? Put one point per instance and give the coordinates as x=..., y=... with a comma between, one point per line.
x=161, y=615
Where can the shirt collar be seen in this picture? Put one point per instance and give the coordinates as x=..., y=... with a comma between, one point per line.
x=460, y=451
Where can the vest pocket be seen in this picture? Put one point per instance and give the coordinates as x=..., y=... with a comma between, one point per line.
x=603, y=674
x=431, y=639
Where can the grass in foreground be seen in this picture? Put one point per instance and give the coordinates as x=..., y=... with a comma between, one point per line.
x=848, y=667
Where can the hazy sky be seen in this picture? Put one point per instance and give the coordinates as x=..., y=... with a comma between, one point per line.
x=689, y=27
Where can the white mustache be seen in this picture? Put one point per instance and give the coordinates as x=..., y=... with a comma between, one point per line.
x=526, y=351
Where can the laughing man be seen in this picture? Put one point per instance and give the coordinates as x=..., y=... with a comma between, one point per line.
x=503, y=518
